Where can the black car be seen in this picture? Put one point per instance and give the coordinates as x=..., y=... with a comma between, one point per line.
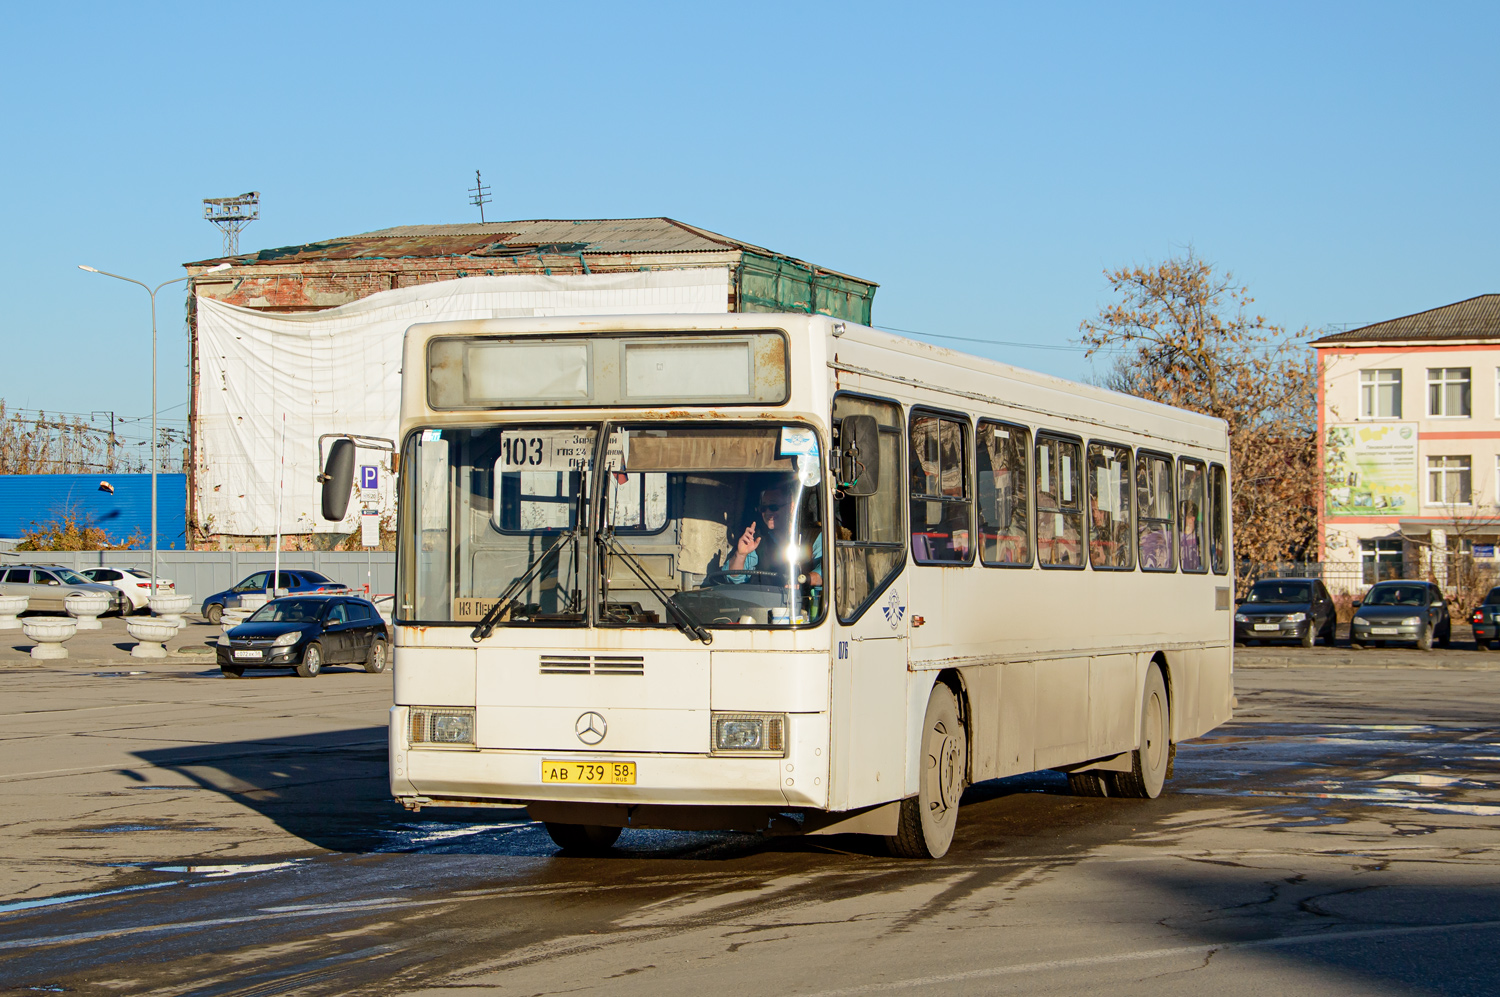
x=306, y=632
x=1286, y=609
x=1486, y=620
x=1402, y=611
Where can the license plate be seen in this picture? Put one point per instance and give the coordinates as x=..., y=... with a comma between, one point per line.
x=1268, y=626
x=1385, y=630
x=247, y=654
x=590, y=773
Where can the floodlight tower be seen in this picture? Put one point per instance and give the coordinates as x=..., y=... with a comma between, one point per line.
x=231, y=215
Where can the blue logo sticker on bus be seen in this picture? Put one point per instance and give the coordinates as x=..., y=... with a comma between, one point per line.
x=893, y=610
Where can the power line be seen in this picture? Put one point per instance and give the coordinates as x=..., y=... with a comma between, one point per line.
x=992, y=342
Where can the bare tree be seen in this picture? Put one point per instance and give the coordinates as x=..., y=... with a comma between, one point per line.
x=1183, y=335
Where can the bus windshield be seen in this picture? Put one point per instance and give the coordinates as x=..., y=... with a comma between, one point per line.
x=724, y=521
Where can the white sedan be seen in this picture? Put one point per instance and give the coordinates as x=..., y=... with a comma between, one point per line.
x=134, y=583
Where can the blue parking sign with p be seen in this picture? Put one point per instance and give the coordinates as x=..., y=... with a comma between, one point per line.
x=369, y=477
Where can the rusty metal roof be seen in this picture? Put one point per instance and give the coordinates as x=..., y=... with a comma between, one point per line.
x=564, y=237
x=1473, y=318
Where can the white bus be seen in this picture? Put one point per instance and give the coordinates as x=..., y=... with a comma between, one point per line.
x=787, y=574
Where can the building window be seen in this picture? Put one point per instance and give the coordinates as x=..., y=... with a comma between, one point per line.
x=1380, y=394
x=1448, y=481
x=1448, y=392
x=1380, y=559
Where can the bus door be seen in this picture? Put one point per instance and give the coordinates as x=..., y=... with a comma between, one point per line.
x=870, y=609
x=871, y=666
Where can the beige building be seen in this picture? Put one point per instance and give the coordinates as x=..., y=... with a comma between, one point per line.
x=1409, y=434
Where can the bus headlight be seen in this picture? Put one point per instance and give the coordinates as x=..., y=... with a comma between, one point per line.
x=750, y=733
x=441, y=725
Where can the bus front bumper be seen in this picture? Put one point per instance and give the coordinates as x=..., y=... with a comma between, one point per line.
x=468, y=776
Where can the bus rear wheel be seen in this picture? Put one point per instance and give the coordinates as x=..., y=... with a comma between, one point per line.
x=582, y=839
x=927, y=821
x=1149, y=762
x=1088, y=784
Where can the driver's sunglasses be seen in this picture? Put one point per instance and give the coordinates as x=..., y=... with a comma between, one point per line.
x=771, y=507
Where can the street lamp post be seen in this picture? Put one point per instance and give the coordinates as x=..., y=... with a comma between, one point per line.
x=151, y=291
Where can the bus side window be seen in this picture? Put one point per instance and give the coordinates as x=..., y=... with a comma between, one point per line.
x=1194, y=517
x=1155, y=511
x=1059, y=503
x=1110, y=543
x=1003, y=487
x=869, y=537
x=940, y=514
x=1218, y=521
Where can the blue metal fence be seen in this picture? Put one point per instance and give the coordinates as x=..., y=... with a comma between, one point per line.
x=31, y=501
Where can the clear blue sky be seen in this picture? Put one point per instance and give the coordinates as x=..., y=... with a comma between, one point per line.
x=983, y=163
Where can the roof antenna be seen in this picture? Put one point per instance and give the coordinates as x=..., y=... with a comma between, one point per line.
x=477, y=196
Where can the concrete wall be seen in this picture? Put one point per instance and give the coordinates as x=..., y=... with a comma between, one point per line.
x=200, y=573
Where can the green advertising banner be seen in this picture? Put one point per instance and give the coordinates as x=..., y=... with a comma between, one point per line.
x=1370, y=469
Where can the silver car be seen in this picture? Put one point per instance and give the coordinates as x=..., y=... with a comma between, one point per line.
x=47, y=585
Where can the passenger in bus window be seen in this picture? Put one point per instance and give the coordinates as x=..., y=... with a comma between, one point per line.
x=768, y=533
x=1192, y=556
x=1154, y=511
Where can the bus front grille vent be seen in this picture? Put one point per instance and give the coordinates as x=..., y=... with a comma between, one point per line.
x=598, y=664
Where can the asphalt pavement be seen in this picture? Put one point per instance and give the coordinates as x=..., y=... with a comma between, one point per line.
x=169, y=831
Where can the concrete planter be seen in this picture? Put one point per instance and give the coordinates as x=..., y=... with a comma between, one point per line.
x=232, y=618
x=151, y=633
x=12, y=606
x=250, y=602
x=85, y=608
x=169, y=608
x=49, y=632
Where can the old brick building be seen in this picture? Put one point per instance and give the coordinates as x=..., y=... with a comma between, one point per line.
x=603, y=265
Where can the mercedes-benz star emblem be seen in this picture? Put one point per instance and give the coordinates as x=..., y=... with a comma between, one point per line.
x=590, y=727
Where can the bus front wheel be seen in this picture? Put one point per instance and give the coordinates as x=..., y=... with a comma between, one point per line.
x=582, y=839
x=1149, y=762
x=927, y=820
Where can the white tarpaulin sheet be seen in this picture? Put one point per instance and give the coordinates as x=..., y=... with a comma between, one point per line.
x=338, y=371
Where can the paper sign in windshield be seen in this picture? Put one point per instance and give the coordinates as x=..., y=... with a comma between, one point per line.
x=551, y=450
x=798, y=442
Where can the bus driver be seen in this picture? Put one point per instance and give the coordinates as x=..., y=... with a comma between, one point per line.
x=772, y=523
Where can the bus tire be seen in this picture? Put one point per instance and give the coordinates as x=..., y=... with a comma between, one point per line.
x=1148, y=763
x=1088, y=784
x=582, y=839
x=925, y=826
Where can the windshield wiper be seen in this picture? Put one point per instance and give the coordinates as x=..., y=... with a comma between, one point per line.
x=682, y=618
x=486, y=626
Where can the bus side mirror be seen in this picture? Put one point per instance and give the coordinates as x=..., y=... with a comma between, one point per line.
x=859, y=455
x=338, y=480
